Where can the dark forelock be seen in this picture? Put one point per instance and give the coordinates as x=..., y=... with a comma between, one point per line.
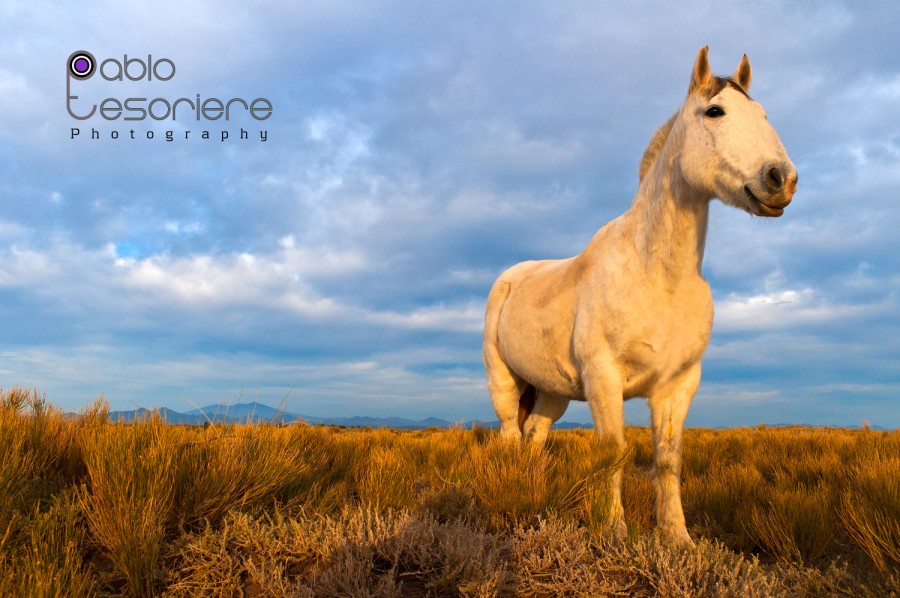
x=720, y=83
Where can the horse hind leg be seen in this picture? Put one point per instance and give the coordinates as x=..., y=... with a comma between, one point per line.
x=506, y=391
x=527, y=400
x=545, y=409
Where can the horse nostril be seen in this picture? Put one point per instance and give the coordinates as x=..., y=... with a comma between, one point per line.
x=775, y=178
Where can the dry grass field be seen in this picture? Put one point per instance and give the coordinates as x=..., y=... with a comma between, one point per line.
x=92, y=507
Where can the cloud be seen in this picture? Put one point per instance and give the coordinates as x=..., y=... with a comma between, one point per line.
x=23, y=268
x=786, y=309
x=466, y=318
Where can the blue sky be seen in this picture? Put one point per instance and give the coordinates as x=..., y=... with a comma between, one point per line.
x=415, y=150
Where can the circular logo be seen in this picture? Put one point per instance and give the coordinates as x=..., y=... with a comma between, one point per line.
x=82, y=64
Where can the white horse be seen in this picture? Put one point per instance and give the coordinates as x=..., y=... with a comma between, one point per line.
x=631, y=315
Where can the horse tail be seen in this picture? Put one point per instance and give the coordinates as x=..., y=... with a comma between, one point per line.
x=526, y=405
x=496, y=299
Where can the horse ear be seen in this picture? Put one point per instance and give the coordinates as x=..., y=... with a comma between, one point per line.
x=742, y=74
x=701, y=75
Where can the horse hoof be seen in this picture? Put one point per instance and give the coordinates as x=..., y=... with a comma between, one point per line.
x=679, y=537
x=619, y=531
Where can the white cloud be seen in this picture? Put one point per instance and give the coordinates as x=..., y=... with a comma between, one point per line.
x=278, y=280
x=24, y=267
x=186, y=228
x=10, y=231
x=286, y=279
x=781, y=310
x=465, y=318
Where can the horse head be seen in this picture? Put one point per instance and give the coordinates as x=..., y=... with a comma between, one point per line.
x=729, y=150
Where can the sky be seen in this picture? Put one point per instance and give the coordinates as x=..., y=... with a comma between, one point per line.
x=414, y=151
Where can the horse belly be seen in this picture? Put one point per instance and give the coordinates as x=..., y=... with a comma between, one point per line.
x=555, y=376
x=537, y=347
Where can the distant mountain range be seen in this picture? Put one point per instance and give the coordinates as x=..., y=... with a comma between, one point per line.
x=259, y=413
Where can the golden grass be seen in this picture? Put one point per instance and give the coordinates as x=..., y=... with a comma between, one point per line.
x=128, y=495
x=90, y=506
x=870, y=511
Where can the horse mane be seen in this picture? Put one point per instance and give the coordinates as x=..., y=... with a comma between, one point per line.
x=654, y=147
x=662, y=133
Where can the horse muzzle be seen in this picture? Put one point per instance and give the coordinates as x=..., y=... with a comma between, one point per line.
x=778, y=182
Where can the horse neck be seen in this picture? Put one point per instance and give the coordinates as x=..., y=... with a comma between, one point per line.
x=669, y=219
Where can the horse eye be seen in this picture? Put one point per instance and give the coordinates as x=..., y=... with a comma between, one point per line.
x=715, y=112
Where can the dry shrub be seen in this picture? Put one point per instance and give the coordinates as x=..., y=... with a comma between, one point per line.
x=128, y=496
x=709, y=569
x=870, y=511
x=400, y=555
x=558, y=558
x=366, y=553
x=359, y=553
x=243, y=555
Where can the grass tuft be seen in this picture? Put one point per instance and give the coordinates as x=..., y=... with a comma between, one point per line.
x=796, y=526
x=128, y=496
x=870, y=511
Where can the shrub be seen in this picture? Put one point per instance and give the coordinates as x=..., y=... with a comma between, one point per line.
x=50, y=563
x=796, y=526
x=511, y=480
x=128, y=496
x=870, y=511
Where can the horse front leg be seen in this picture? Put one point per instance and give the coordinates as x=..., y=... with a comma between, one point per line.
x=668, y=409
x=603, y=391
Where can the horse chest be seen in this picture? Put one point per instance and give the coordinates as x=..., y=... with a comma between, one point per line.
x=667, y=338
